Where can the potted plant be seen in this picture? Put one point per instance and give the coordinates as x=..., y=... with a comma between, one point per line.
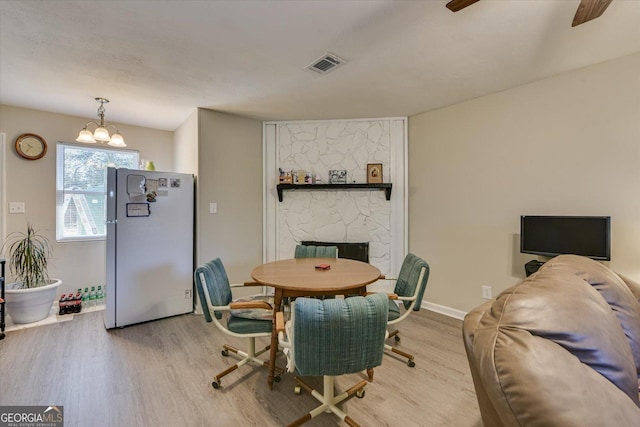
x=31, y=296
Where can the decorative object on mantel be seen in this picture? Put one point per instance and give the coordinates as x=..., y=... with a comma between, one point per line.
x=386, y=187
x=304, y=177
x=285, y=177
x=374, y=173
x=337, y=177
x=101, y=134
x=295, y=177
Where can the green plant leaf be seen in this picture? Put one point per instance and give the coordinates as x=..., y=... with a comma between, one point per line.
x=28, y=255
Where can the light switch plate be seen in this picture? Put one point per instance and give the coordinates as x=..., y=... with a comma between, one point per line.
x=486, y=292
x=16, y=207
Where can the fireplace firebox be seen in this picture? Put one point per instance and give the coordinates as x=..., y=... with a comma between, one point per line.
x=356, y=251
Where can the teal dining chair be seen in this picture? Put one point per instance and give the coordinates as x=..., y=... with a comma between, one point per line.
x=248, y=319
x=308, y=251
x=330, y=338
x=408, y=293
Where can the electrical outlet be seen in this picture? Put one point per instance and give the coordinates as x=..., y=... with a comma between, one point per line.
x=16, y=207
x=486, y=292
x=187, y=293
x=213, y=208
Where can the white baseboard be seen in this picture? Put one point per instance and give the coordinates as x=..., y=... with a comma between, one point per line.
x=442, y=309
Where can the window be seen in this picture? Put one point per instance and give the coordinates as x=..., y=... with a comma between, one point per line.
x=80, y=188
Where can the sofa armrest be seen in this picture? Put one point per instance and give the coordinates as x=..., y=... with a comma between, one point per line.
x=633, y=286
x=490, y=416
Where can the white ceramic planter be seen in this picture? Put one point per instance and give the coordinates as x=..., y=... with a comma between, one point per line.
x=30, y=305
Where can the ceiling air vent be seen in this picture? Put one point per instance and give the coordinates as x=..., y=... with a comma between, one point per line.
x=326, y=63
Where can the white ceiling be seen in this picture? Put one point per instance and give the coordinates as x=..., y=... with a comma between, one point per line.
x=157, y=61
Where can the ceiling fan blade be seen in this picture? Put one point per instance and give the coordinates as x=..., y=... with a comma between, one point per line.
x=456, y=5
x=588, y=10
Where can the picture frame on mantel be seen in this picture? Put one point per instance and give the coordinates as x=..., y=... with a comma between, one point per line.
x=374, y=173
x=338, y=176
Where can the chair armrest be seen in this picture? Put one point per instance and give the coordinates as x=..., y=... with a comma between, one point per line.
x=240, y=285
x=252, y=284
x=390, y=296
x=250, y=304
x=279, y=322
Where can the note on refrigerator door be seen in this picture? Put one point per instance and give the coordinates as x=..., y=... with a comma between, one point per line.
x=136, y=187
x=138, y=209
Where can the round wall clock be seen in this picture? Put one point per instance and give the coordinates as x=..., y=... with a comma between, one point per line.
x=31, y=146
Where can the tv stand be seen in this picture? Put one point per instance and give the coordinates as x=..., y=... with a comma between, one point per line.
x=532, y=266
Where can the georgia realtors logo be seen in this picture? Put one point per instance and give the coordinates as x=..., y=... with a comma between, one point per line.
x=31, y=416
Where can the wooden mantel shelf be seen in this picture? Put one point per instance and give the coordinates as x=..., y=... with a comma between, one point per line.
x=386, y=187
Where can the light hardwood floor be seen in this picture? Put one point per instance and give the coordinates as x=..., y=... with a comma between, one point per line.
x=159, y=374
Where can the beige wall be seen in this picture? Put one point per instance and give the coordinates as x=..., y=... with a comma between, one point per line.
x=567, y=145
x=230, y=174
x=33, y=182
x=185, y=149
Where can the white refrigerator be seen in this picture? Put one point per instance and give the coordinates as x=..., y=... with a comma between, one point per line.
x=150, y=229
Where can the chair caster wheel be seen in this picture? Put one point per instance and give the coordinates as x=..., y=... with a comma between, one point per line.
x=411, y=363
x=360, y=393
x=277, y=378
x=216, y=384
x=297, y=389
x=225, y=352
x=397, y=338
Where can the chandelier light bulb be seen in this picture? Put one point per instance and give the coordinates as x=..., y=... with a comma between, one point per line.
x=86, y=136
x=101, y=134
x=117, y=140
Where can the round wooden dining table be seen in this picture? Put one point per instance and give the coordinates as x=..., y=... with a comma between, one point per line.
x=299, y=277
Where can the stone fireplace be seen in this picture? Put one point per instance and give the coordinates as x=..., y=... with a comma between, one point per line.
x=337, y=216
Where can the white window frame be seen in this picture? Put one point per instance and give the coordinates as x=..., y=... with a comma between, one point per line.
x=61, y=192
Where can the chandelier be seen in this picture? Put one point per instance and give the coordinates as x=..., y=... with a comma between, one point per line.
x=101, y=134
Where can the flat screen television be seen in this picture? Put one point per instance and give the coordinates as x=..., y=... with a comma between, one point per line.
x=589, y=236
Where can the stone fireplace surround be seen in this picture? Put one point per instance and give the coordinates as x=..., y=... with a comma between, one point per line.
x=347, y=216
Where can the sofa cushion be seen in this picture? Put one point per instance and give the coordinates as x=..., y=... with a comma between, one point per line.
x=613, y=289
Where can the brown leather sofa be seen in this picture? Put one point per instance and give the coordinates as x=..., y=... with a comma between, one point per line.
x=562, y=348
